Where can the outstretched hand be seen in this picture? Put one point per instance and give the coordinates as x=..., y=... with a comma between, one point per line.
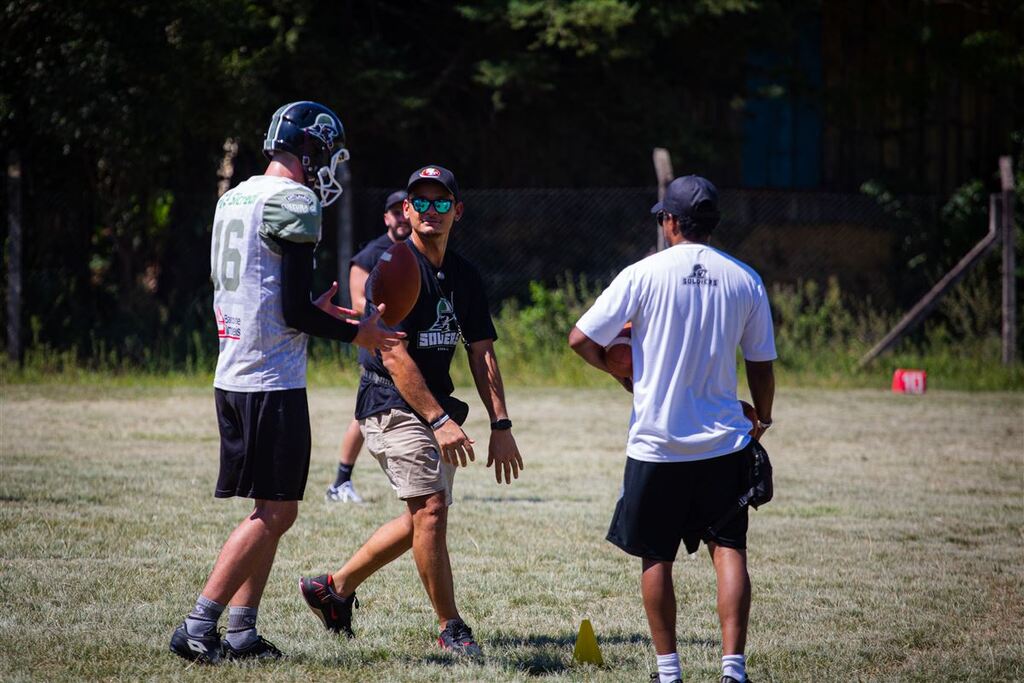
x=503, y=453
x=373, y=334
x=323, y=302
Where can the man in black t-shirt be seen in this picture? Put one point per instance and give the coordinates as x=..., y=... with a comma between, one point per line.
x=342, y=490
x=412, y=423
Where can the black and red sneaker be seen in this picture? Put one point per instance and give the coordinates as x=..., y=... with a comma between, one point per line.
x=457, y=638
x=334, y=611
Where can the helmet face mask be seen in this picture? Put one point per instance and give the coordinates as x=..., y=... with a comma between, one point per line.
x=314, y=135
x=326, y=182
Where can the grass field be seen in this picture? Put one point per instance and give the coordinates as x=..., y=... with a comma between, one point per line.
x=893, y=549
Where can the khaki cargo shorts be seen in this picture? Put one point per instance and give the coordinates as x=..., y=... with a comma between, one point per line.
x=408, y=453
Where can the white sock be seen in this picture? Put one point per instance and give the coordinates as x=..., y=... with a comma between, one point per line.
x=735, y=666
x=668, y=668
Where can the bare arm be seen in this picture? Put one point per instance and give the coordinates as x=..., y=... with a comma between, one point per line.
x=455, y=445
x=487, y=377
x=761, y=381
x=357, y=277
x=502, y=450
x=592, y=352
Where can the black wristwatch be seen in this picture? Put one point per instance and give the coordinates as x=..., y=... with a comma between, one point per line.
x=501, y=425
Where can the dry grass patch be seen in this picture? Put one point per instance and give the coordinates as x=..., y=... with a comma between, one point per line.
x=892, y=551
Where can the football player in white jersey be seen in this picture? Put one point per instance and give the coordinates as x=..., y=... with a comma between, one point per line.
x=688, y=449
x=264, y=235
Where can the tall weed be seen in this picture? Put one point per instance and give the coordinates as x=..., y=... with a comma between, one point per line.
x=820, y=332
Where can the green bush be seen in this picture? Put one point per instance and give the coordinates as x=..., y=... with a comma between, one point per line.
x=820, y=333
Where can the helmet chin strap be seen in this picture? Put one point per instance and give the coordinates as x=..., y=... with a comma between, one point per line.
x=327, y=184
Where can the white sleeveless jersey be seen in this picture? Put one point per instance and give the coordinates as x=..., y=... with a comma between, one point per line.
x=258, y=351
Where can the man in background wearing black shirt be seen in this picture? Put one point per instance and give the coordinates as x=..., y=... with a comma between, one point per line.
x=343, y=490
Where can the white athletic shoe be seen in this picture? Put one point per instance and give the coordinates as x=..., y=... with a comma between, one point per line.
x=346, y=493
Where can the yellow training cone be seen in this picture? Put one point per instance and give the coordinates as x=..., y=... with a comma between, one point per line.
x=587, y=650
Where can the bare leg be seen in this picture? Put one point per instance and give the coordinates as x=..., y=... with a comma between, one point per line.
x=387, y=543
x=245, y=559
x=733, y=596
x=351, y=444
x=660, y=604
x=430, y=549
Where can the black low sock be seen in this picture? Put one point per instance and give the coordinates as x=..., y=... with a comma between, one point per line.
x=344, y=474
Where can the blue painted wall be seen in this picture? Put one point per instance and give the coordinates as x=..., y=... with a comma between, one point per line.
x=782, y=130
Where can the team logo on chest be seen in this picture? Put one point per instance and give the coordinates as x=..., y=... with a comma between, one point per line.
x=699, y=276
x=444, y=333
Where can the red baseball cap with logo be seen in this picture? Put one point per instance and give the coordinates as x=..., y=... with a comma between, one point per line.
x=434, y=174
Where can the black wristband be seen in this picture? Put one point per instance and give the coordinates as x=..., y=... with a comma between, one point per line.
x=439, y=422
x=501, y=425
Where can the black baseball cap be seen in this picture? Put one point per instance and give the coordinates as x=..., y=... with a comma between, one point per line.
x=435, y=174
x=689, y=195
x=394, y=198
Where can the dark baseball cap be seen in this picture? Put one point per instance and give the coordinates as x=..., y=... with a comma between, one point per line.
x=436, y=174
x=394, y=198
x=689, y=195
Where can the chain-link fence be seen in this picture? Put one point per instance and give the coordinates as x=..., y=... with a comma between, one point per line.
x=516, y=236
x=101, y=291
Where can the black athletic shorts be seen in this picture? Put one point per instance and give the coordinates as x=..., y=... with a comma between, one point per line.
x=664, y=503
x=264, y=444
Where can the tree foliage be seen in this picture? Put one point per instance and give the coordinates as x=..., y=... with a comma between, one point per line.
x=120, y=112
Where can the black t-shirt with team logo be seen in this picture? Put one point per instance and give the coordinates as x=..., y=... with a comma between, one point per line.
x=452, y=299
x=368, y=256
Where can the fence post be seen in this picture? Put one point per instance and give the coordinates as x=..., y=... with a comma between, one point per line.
x=1009, y=263
x=344, y=234
x=925, y=305
x=663, y=171
x=14, y=218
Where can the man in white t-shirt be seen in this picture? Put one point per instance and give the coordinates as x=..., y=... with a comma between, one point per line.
x=690, y=307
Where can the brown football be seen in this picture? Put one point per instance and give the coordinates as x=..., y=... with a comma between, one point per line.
x=618, y=355
x=750, y=413
x=395, y=282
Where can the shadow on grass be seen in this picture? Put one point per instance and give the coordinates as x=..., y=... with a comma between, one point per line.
x=505, y=499
x=567, y=639
x=543, y=654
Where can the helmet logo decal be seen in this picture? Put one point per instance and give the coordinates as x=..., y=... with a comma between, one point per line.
x=430, y=172
x=324, y=130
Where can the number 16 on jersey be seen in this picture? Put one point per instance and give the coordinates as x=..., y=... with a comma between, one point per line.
x=226, y=261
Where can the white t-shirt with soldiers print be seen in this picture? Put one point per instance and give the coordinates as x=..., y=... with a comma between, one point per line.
x=258, y=351
x=691, y=307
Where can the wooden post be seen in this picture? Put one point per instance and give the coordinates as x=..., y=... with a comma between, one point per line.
x=14, y=233
x=344, y=234
x=663, y=172
x=922, y=307
x=1009, y=263
x=227, y=166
